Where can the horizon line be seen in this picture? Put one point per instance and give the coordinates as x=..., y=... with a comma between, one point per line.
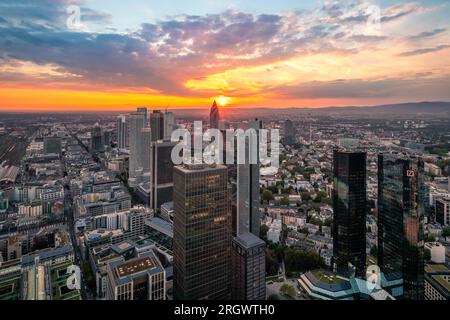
x=207, y=108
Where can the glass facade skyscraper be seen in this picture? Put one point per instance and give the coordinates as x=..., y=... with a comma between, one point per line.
x=400, y=222
x=202, y=233
x=350, y=205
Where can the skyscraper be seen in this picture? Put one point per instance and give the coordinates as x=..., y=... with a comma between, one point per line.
x=146, y=149
x=144, y=111
x=248, y=267
x=96, y=138
x=350, y=205
x=289, y=132
x=214, y=116
x=248, y=259
x=247, y=193
x=122, y=132
x=169, y=125
x=161, y=173
x=137, y=122
x=202, y=233
x=400, y=222
x=157, y=125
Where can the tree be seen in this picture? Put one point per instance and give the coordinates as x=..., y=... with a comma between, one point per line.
x=328, y=222
x=427, y=255
x=284, y=201
x=300, y=260
x=271, y=264
x=305, y=196
x=288, y=290
x=267, y=196
x=321, y=197
x=446, y=232
x=374, y=251
x=263, y=231
x=273, y=296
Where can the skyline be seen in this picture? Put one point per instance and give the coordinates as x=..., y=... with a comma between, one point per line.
x=247, y=54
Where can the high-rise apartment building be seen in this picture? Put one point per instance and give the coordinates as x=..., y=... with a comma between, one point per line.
x=202, y=233
x=350, y=205
x=400, y=222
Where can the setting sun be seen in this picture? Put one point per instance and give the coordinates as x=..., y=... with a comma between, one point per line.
x=223, y=101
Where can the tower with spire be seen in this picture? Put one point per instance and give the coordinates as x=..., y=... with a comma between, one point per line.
x=214, y=116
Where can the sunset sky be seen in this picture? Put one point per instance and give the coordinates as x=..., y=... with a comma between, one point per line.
x=251, y=53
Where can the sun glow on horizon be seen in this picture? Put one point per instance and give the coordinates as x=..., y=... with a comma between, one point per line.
x=223, y=101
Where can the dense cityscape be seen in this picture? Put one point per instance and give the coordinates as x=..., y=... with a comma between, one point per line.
x=358, y=208
x=224, y=159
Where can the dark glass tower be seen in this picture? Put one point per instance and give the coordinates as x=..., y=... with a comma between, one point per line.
x=157, y=125
x=202, y=233
x=162, y=173
x=289, y=132
x=400, y=222
x=349, y=203
x=248, y=259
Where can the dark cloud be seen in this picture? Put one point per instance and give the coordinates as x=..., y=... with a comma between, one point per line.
x=424, y=51
x=400, y=11
x=419, y=87
x=428, y=34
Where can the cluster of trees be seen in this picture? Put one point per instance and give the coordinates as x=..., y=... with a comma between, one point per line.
x=446, y=232
x=301, y=260
x=288, y=290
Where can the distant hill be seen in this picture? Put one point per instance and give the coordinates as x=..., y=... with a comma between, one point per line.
x=417, y=108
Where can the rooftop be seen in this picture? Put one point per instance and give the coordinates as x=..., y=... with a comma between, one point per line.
x=135, y=266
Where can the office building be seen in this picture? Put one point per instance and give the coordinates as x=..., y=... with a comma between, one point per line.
x=202, y=233
x=141, y=278
x=437, y=282
x=161, y=173
x=157, y=124
x=443, y=211
x=400, y=222
x=122, y=132
x=214, y=116
x=52, y=144
x=248, y=259
x=289, y=132
x=137, y=122
x=96, y=139
x=349, y=204
x=169, y=125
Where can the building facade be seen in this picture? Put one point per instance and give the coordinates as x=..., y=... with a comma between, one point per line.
x=202, y=233
x=400, y=222
x=350, y=205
